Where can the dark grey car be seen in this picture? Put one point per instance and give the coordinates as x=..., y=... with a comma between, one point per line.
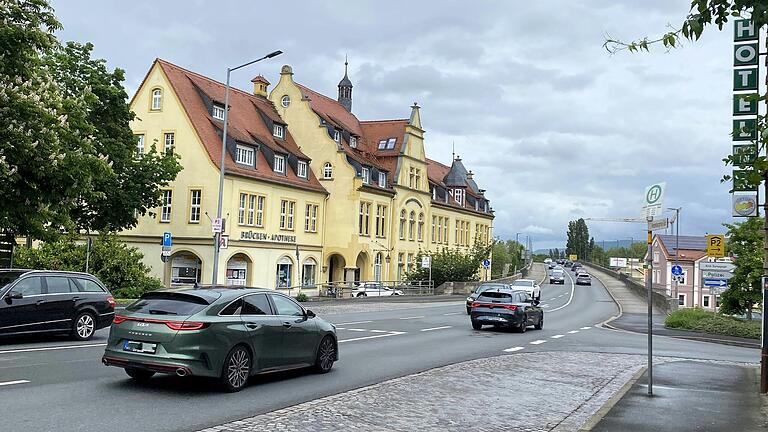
x=506, y=308
x=481, y=288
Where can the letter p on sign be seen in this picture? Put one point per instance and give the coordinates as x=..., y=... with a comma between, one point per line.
x=716, y=245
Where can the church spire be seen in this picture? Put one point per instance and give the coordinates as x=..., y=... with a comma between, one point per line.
x=345, y=88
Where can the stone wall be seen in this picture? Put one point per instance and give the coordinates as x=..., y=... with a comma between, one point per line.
x=660, y=300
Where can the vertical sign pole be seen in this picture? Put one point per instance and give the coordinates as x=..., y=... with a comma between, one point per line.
x=649, y=286
x=763, y=342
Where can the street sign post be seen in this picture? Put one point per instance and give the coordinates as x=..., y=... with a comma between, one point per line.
x=764, y=340
x=716, y=245
x=714, y=274
x=167, y=240
x=677, y=270
x=425, y=261
x=653, y=200
x=659, y=224
x=718, y=266
x=486, y=263
x=713, y=282
x=573, y=257
x=617, y=262
x=744, y=205
x=223, y=242
x=216, y=225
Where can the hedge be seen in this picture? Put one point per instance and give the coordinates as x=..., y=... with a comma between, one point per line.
x=698, y=319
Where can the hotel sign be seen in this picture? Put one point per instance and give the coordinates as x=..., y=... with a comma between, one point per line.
x=265, y=237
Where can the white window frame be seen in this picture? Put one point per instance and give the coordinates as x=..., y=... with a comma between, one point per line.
x=167, y=206
x=685, y=299
x=251, y=210
x=278, y=131
x=301, y=169
x=706, y=301
x=260, y=200
x=391, y=143
x=310, y=218
x=139, y=145
x=285, y=101
x=243, y=203
x=217, y=112
x=382, y=180
x=195, y=205
x=245, y=155
x=169, y=144
x=328, y=170
x=353, y=142
x=366, y=174
x=336, y=135
x=382, y=144
x=279, y=165
x=157, y=99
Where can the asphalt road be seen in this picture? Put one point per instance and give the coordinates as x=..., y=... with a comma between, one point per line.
x=57, y=385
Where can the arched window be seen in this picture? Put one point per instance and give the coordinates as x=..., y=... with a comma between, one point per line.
x=402, y=224
x=157, y=99
x=284, y=271
x=308, y=271
x=377, y=267
x=411, y=223
x=328, y=170
x=420, y=235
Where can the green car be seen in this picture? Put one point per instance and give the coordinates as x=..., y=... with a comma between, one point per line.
x=226, y=333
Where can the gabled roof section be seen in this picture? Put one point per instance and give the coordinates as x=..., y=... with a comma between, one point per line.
x=690, y=243
x=331, y=110
x=457, y=175
x=374, y=131
x=247, y=124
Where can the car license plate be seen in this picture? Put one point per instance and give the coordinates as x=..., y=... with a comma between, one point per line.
x=140, y=347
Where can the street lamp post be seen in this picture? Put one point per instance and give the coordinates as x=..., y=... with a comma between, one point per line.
x=677, y=245
x=517, y=243
x=217, y=236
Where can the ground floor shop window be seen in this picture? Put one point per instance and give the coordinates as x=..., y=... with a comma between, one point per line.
x=237, y=269
x=308, y=273
x=284, y=269
x=185, y=269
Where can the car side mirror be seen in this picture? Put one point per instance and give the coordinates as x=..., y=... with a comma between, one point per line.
x=13, y=296
x=310, y=314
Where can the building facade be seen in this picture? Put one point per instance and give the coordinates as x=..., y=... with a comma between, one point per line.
x=311, y=195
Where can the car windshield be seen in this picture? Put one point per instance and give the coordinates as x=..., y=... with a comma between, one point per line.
x=523, y=283
x=486, y=287
x=495, y=297
x=7, y=278
x=168, y=304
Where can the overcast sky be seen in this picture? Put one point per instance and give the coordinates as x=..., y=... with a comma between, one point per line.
x=554, y=127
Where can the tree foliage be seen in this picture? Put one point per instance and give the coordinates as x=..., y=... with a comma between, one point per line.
x=66, y=148
x=578, y=238
x=506, y=253
x=120, y=267
x=745, y=243
x=452, y=265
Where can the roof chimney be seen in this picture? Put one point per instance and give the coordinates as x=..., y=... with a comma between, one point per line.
x=260, y=85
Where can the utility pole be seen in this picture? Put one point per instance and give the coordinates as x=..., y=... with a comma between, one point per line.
x=677, y=245
x=649, y=286
x=764, y=342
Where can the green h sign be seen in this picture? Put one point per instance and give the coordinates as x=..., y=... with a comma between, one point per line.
x=744, y=30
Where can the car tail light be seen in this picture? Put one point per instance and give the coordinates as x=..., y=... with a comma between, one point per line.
x=186, y=325
x=119, y=319
x=476, y=304
x=111, y=301
x=510, y=307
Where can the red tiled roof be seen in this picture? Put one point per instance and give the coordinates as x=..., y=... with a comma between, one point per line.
x=436, y=171
x=245, y=124
x=377, y=130
x=332, y=111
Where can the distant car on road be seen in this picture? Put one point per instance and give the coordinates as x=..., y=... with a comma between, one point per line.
x=374, y=289
x=557, y=277
x=53, y=302
x=568, y=263
x=482, y=288
x=506, y=308
x=552, y=265
x=575, y=267
x=528, y=285
x=226, y=333
x=583, y=279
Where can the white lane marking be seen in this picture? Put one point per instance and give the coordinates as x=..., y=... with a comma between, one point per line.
x=53, y=348
x=586, y=328
x=545, y=305
x=356, y=330
x=340, y=328
x=13, y=382
x=356, y=322
x=413, y=317
x=372, y=337
x=570, y=299
x=553, y=298
x=573, y=332
x=378, y=331
x=453, y=313
x=436, y=328
x=557, y=336
x=513, y=349
x=538, y=342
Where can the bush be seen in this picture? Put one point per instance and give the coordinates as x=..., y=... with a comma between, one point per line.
x=698, y=319
x=301, y=297
x=451, y=265
x=117, y=265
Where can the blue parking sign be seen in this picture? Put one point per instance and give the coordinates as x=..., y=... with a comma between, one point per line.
x=167, y=240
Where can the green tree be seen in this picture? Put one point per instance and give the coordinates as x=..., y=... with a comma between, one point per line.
x=578, y=238
x=745, y=243
x=452, y=265
x=66, y=148
x=120, y=267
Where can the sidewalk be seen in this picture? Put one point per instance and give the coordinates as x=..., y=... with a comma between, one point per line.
x=690, y=396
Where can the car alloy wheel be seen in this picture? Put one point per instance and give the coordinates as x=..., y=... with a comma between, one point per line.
x=326, y=355
x=523, y=325
x=539, y=325
x=84, y=326
x=237, y=368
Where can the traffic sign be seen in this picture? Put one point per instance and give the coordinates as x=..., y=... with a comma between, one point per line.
x=425, y=262
x=216, y=225
x=714, y=274
x=714, y=282
x=717, y=290
x=224, y=242
x=165, y=253
x=573, y=257
x=719, y=266
x=167, y=240
x=744, y=205
x=677, y=270
x=659, y=224
x=486, y=263
x=716, y=245
x=653, y=200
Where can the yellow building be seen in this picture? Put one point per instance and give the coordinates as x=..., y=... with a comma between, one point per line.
x=273, y=203
x=388, y=201
x=312, y=194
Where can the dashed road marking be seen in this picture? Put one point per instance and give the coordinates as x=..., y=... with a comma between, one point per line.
x=356, y=322
x=435, y=328
x=557, y=336
x=538, y=342
x=513, y=349
x=586, y=328
x=356, y=330
x=372, y=337
x=53, y=348
x=413, y=317
x=7, y=383
x=453, y=313
x=378, y=331
x=545, y=305
x=553, y=298
x=573, y=331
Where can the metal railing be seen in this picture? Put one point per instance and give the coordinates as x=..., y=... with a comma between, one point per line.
x=343, y=289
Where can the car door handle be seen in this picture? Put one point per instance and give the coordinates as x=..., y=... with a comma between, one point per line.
x=75, y=298
x=39, y=302
x=286, y=324
x=252, y=325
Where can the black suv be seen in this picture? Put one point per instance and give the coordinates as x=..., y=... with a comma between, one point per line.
x=42, y=301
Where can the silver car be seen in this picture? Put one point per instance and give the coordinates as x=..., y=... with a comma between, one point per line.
x=374, y=289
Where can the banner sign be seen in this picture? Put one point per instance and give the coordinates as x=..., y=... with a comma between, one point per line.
x=746, y=54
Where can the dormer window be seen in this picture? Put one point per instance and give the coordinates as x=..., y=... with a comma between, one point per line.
x=336, y=136
x=278, y=131
x=244, y=155
x=353, y=142
x=279, y=164
x=366, y=174
x=382, y=180
x=218, y=112
x=382, y=144
x=387, y=144
x=301, y=169
x=458, y=195
x=434, y=193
